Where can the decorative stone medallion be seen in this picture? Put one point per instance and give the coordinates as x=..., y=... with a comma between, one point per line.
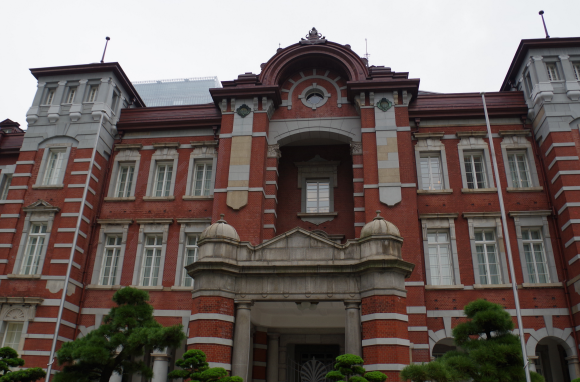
x=243, y=111
x=384, y=104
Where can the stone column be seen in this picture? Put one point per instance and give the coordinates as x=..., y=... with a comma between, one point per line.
x=572, y=87
x=272, y=363
x=282, y=363
x=160, y=366
x=116, y=377
x=241, y=356
x=573, y=366
x=532, y=362
x=352, y=332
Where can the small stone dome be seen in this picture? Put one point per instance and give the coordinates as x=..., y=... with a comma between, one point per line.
x=220, y=230
x=379, y=226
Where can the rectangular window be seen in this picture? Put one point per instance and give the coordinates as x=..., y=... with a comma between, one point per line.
x=53, y=167
x=475, y=171
x=125, y=180
x=111, y=256
x=487, y=257
x=317, y=196
x=535, y=255
x=92, y=94
x=71, y=95
x=431, y=173
x=529, y=84
x=34, y=247
x=151, y=260
x=577, y=71
x=163, y=177
x=519, y=169
x=552, y=72
x=115, y=102
x=49, y=97
x=440, y=258
x=5, y=187
x=12, y=335
x=190, y=257
x=202, y=180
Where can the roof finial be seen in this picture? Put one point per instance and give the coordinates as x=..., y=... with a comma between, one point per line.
x=313, y=37
x=541, y=13
x=378, y=217
x=222, y=218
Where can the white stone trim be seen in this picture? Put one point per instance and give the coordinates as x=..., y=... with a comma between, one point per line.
x=385, y=316
x=385, y=367
x=210, y=340
x=212, y=316
x=386, y=341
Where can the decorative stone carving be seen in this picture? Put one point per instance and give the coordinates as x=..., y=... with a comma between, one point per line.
x=313, y=38
x=356, y=148
x=384, y=104
x=274, y=151
x=14, y=315
x=243, y=111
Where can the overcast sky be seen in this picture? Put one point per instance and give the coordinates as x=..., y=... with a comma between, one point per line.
x=452, y=46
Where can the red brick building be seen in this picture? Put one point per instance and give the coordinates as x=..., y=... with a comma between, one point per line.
x=298, y=159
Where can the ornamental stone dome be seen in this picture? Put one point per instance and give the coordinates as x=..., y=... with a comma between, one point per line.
x=379, y=226
x=220, y=230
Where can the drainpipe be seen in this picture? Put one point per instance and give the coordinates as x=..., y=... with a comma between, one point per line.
x=72, y=252
x=508, y=245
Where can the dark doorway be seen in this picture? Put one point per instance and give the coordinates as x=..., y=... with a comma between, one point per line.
x=323, y=353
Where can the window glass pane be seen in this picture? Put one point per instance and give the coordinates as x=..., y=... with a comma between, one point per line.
x=12, y=335
x=151, y=260
x=317, y=196
x=431, y=174
x=440, y=258
x=534, y=253
x=53, y=167
x=111, y=256
x=485, y=246
x=5, y=187
x=190, y=257
x=33, y=251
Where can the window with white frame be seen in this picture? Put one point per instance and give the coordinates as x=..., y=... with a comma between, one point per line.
x=5, y=187
x=317, y=196
x=126, y=172
x=12, y=334
x=487, y=257
x=519, y=168
x=163, y=176
x=34, y=249
x=151, y=260
x=189, y=258
x=576, y=71
x=49, y=96
x=535, y=254
x=440, y=263
x=54, y=166
x=92, y=94
x=202, y=178
x=431, y=172
x=529, y=84
x=70, y=97
x=475, y=173
x=111, y=255
x=552, y=72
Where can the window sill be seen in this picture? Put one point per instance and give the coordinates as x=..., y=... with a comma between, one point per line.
x=478, y=190
x=492, y=286
x=113, y=199
x=317, y=218
x=190, y=197
x=46, y=187
x=158, y=198
x=104, y=287
x=542, y=285
x=524, y=189
x=159, y=288
x=182, y=288
x=438, y=287
x=27, y=277
x=436, y=192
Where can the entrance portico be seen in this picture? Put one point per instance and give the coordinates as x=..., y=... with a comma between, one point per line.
x=304, y=289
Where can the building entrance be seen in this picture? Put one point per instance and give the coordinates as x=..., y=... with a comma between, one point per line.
x=311, y=362
x=322, y=353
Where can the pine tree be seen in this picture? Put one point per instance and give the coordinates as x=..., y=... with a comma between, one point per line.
x=196, y=368
x=488, y=350
x=9, y=359
x=348, y=368
x=126, y=333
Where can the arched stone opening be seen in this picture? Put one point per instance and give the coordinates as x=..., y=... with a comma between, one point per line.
x=443, y=346
x=551, y=359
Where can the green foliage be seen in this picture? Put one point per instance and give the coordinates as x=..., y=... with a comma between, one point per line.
x=489, y=350
x=196, y=368
x=126, y=332
x=9, y=359
x=576, y=380
x=348, y=368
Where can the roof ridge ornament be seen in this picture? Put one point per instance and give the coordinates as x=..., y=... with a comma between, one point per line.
x=313, y=38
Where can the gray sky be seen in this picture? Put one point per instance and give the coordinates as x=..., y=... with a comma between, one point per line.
x=452, y=46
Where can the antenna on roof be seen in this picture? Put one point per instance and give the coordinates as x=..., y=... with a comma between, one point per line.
x=543, y=21
x=105, y=51
x=367, y=52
